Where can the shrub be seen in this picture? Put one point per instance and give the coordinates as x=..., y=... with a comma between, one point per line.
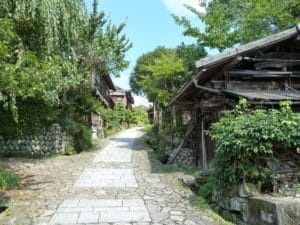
x=83, y=139
x=33, y=117
x=206, y=190
x=8, y=180
x=246, y=139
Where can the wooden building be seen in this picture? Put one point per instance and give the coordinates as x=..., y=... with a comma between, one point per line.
x=122, y=96
x=264, y=72
x=102, y=85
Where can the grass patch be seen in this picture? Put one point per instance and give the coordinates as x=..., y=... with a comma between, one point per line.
x=201, y=202
x=110, y=132
x=148, y=128
x=8, y=180
x=188, y=169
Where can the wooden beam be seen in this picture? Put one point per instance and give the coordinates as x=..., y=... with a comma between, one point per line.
x=280, y=55
x=261, y=72
x=276, y=63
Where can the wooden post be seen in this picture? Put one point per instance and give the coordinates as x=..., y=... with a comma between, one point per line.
x=174, y=115
x=198, y=140
x=154, y=113
x=160, y=120
x=203, y=147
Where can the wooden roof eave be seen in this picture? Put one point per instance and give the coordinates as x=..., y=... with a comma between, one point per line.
x=109, y=82
x=229, y=56
x=201, y=77
x=248, y=48
x=183, y=90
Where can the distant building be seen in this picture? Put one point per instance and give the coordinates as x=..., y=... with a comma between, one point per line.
x=122, y=96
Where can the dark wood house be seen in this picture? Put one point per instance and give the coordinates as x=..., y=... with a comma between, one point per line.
x=264, y=72
x=102, y=85
x=122, y=96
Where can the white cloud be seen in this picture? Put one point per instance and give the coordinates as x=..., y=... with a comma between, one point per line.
x=178, y=8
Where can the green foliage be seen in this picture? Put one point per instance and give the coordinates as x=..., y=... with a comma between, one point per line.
x=140, y=70
x=23, y=75
x=48, y=51
x=33, y=117
x=47, y=27
x=116, y=119
x=82, y=138
x=201, y=202
x=148, y=128
x=138, y=116
x=230, y=22
x=160, y=72
x=189, y=54
x=188, y=169
x=160, y=82
x=8, y=180
x=106, y=46
x=207, y=189
x=246, y=138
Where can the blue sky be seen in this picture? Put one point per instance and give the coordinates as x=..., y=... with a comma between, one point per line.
x=149, y=24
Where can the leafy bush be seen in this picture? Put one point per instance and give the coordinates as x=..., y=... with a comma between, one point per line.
x=148, y=128
x=8, y=180
x=201, y=202
x=207, y=189
x=246, y=139
x=33, y=117
x=81, y=134
x=83, y=139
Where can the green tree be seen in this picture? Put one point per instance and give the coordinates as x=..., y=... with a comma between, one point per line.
x=47, y=27
x=140, y=70
x=104, y=46
x=186, y=55
x=163, y=76
x=23, y=75
x=49, y=46
x=189, y=54
x=48, y=51
x=230, y=22
x=137, y=116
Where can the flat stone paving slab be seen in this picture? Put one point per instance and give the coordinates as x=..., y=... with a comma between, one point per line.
x=119, y=150
x=51, y=197
x=120, y=178
x=89, y=211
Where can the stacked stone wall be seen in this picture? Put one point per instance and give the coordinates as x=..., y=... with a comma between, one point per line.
x=244, y=205
x=185, y=155
x=97, y=126
x=52, y=141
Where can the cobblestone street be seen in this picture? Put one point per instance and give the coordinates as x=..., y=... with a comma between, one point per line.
x=119, y=184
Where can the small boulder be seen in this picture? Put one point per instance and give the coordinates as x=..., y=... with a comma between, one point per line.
x=188, y=180
x=248, y=190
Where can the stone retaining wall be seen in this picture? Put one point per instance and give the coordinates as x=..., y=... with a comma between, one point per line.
x=185, y=155
x=52, y=141
x=243, y=205
x=97, y=126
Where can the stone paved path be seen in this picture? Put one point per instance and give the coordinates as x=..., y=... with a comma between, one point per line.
x=119, y=185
